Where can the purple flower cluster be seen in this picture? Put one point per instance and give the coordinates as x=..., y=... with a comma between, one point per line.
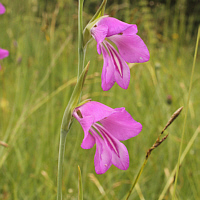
x=131, y=49
x=3, y=53
x=102, y=125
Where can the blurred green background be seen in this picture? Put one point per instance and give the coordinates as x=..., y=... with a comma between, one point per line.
x=38, y=78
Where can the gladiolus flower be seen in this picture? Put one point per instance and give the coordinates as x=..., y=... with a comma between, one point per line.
x=131, y=49
x=2, y=9
x=3, y=53
x=106, y=127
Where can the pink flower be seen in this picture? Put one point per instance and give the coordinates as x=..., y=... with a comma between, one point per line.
x=3, y=53
x=2, y=9
x=106, y=127
x=131, y=48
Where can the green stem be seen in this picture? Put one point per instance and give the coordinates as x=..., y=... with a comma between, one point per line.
x=81, y=52
x=63, y=135
x=186, y=112
x=67, y=118
x=137, y=178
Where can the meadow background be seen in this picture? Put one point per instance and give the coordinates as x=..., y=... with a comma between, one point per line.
x=38, y=78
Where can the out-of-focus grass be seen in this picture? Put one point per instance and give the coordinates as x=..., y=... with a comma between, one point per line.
x=38, y=78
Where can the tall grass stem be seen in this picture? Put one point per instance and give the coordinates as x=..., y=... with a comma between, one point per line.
x=157, y=143
x=137, y=178
x=80, y=187
x=183, y=155
x=186, y=112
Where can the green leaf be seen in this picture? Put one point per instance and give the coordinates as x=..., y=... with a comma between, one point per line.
x=100, y=11
x=83, y=102
x=74, y=100
x=95, y=18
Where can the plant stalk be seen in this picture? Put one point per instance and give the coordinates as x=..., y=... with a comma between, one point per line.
x=63, y=135
x=67, y=118
x=81, y=52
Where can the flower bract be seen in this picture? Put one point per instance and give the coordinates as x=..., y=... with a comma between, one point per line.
x=106, y=127
x=131, y=48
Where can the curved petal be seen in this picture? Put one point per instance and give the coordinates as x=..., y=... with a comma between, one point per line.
x=121, y=161
x=121, y=125
x=122, y=71
x=120, y=157
x=86, y=124
x=107, y=75
x=115, y=26
x=91, y=112
x=103, y=155
x=2, y=9
x=131, y=48
x=99, y=33
x=87, y=114
x=88, y=141
x=132, y=30
x=3, y=53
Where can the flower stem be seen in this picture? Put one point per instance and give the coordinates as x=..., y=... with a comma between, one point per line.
x=67, y=118
x=63, y=135
x=81, y=52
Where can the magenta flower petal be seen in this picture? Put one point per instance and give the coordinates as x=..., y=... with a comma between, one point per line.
x=115, y=26
x=131, y=48
x=107, y=76
x=2, y=9
x=122, y=71
x=122, y=129
x=93, y=109
x=105, y=127
x=103, y=155
x=99, y=33
x=120, y=160
x=88, y=141
x=3, y=53
x=86, y=122
x=87, y=115
x=120, y=157
x=132, y=30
